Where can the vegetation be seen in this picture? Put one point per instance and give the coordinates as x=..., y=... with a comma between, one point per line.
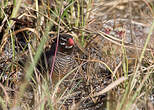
x=114, y=54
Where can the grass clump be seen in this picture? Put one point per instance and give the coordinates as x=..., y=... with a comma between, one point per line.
x=113, y=54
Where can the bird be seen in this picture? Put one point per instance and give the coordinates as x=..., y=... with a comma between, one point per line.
x=63, y=61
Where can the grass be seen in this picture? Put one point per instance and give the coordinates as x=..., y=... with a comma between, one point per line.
x=108, y=69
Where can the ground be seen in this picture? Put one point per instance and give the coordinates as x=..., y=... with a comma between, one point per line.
x=114, y=55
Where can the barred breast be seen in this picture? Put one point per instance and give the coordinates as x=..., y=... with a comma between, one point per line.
x=63, y=63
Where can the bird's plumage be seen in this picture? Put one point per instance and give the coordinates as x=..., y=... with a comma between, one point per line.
x=64, y=60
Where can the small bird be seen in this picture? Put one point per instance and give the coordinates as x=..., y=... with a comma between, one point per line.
x=63, y=61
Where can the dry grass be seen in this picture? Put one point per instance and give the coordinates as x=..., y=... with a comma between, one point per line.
x=114, y=54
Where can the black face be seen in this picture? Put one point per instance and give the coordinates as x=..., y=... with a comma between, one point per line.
x=66, y=43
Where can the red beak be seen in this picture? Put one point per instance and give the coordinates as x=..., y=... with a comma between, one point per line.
x=70, y=41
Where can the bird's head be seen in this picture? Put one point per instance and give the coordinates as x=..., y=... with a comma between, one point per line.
x=66, y=43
